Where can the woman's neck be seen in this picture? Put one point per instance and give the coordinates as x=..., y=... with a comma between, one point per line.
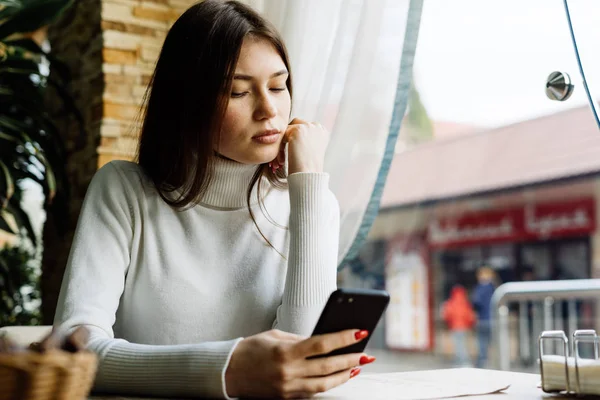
x=229, y=183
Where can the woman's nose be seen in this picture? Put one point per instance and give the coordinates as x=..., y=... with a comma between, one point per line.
x=265, y=109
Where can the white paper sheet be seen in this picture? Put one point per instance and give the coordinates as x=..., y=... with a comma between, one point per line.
x=419, y=386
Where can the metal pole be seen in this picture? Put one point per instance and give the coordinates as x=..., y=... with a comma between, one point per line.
x=504, y=339
x=558, y=316
x=524, y=331
x=537, y=322
x=572, y=308
x=558, y=320
x=548, y=318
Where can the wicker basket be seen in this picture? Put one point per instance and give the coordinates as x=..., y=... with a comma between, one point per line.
x=55, y=374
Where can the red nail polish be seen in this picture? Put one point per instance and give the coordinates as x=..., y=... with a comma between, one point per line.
x=366, y=360
x=355, y=371
x=361, y=335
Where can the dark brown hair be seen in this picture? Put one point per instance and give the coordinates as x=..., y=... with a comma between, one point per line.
x=188, y=94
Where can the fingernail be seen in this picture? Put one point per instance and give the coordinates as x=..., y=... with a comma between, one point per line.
x=366, y=360
x=361, y=335
x=355, y=371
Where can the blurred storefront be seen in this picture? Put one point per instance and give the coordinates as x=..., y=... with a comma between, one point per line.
x=551, y=238
x=521, y=199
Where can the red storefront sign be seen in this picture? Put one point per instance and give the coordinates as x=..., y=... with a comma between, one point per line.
x=541, y=221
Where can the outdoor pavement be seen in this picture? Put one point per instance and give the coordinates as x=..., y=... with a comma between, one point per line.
x=398, y=361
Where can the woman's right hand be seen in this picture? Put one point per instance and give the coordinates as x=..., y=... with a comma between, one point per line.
x=274, y=364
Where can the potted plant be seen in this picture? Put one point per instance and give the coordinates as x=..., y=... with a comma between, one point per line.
x=31, y=150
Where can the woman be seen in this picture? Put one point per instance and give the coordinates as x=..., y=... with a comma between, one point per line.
x=197, y=271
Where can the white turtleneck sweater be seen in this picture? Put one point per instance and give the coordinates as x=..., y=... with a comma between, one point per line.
x=168, y=294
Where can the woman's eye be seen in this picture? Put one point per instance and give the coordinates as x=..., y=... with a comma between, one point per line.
x=240, y=94
x=278, y=89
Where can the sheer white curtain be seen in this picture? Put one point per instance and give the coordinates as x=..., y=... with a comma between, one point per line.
x=346, y=58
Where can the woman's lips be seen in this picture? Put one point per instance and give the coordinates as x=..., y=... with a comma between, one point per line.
x=268, y=137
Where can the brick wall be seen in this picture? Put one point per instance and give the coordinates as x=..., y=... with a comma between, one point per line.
x=133, y=33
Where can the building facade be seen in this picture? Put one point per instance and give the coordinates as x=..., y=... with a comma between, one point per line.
x=521, y=199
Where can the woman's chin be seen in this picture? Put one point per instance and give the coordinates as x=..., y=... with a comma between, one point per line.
x=260, y=158
x=252, y=153
x=253, y=160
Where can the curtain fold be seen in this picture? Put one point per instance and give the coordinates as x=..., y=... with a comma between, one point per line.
x=352, y=66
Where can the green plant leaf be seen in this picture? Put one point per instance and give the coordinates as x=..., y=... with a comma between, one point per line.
x=32, y=110
x=12, y=124
x=9, y=53
x=16, y=272
x=26, y=43
x=5, y=272
x=22, y=169
x=64, y=95
x=49, y=173
x=21, y=98
x=19, y=174
x=7, y=188
x=9, y=138
x=23, y=70
x=9, y=8
x=14, y=133
x=19, y=138
x=32, y=15
x=10, y=276
x=22, y=219
x=58, y=66
x=4, y=226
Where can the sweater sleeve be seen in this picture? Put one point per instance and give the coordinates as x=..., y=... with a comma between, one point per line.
x=313, y=252
x=93, y=283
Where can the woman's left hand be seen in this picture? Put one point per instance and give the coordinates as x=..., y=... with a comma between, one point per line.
x=307, y=143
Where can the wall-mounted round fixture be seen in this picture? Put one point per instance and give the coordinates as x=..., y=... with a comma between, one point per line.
x=559, y=86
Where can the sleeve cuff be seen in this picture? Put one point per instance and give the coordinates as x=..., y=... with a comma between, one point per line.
x=224, y=370
x=305, y=185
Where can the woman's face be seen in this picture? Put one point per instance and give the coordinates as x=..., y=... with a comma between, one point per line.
x=259, y=105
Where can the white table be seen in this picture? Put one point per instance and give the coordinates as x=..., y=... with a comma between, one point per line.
x=405, y=385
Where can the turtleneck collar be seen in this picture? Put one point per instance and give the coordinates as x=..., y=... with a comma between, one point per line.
x=228, y=187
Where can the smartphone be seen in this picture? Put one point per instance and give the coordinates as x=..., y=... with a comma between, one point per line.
x=352, y=309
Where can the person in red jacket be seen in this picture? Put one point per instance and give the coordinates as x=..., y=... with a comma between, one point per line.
x=458, y=314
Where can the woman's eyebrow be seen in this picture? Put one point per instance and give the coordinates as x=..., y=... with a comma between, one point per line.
x=249, y=77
